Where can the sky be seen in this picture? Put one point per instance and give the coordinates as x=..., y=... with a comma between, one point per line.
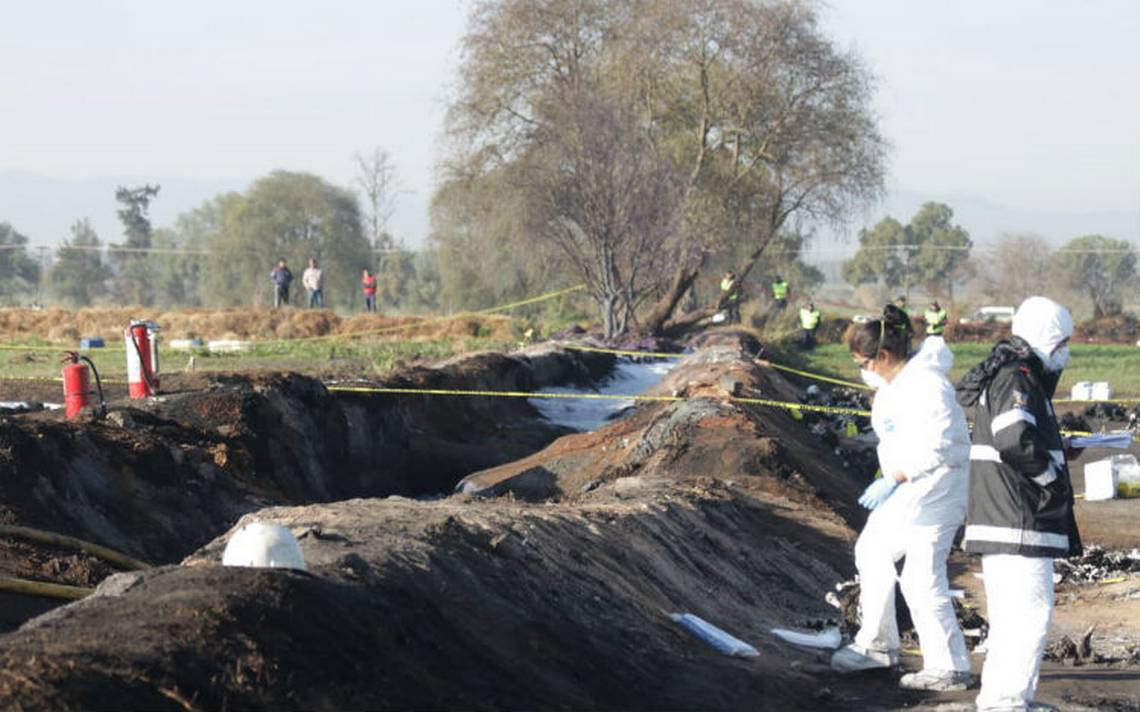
x=1031, y=106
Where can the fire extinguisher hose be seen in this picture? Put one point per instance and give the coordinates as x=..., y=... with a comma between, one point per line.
x=142, y=364
x=98, y=385
x=68, y=542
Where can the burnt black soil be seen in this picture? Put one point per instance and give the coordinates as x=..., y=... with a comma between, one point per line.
x=461, y=605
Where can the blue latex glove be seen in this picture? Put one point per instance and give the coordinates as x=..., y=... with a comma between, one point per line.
x=878, y=492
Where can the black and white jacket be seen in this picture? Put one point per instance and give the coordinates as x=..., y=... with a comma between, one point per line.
x=1021, y=497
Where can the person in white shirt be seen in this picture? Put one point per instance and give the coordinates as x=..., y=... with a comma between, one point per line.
x=314, y=281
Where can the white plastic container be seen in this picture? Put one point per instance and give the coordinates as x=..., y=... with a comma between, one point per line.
x=1105, y=479
x=1082, y=391
x=1128, y=478
x=1101, y=391
x=227, y=345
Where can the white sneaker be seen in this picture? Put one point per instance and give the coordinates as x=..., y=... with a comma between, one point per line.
x=856, y=658
x=937, y=680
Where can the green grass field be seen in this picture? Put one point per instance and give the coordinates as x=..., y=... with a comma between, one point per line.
x=341, y=358
x=1119, y=365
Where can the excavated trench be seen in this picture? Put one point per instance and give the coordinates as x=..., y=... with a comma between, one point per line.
x=158, y=479
x=547, y=582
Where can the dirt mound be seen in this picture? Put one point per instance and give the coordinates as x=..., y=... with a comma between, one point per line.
x=255, y=323
x=1116, y=329
x=157, y=479
x=411, y=327
x=707, y=434
x=457, y=605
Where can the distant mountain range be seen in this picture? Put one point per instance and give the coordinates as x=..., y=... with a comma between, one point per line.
x=44, y=209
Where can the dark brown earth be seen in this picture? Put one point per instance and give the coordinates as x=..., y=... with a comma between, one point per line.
x=157, y=479
x=549, y=588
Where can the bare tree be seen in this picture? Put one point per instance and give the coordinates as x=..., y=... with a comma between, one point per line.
x=1017, y=268
x=762, y=123
x=608, y=199
x=376, y=176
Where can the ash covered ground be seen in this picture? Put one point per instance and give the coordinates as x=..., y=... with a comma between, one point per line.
x=547, y=583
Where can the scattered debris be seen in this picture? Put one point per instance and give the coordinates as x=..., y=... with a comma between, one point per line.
x=1097, y=564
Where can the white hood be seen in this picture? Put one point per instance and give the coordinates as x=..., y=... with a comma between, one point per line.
x=935, y=354
x=1044, y=324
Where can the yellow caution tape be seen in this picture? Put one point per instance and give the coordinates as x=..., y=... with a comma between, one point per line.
x=779, y=367
x=794, y=407
x=422, y=322
x=1091, y=400
x=58, y=379
x=372, y=332
x=1118, y=579
x=622, y=352
x=818, y=377
x=495, y=394
x=60, y=348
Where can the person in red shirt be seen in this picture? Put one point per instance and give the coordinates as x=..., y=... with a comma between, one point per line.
x=368, y=284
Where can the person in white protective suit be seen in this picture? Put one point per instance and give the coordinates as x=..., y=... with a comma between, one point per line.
x=1020, y=514
x=917, y=507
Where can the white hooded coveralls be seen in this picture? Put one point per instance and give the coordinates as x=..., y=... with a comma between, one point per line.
x=1019, y=575
x=923, y=433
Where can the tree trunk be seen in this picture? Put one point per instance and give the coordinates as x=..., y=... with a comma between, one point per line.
x=682, y=282
x=685, y=322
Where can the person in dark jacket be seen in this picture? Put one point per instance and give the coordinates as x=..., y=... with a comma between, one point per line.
x=1020, y=508
x=282, y=277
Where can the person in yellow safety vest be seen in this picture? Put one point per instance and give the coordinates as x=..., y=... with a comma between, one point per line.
x=809, y=322
x=730, y=298
x=780, y=293
x=935, y=318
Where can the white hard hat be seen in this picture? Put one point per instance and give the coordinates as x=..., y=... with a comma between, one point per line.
x=264, y=545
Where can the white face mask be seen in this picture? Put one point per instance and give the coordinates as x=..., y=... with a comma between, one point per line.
x=1058, y=360
x=872, y=379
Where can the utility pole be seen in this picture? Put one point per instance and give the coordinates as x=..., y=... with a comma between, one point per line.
x=43, y=272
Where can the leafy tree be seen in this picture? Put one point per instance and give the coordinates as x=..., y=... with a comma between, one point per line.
x=785, y=261
x=134, y=279
x=79, y=276
x=183, y=258
x=745, y=120
x=293, y=216
x=943, y=248
x=884, y=255
x=19, y=273
x=1101, y=268
x=930, y=250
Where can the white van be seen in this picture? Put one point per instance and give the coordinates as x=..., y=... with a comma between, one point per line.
x=990, y=315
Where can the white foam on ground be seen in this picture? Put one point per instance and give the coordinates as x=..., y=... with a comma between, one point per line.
x=588, y=414
x=827, y=638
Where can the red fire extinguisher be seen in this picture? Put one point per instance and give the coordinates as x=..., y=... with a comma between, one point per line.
x=142, y=358
x=77, y=385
